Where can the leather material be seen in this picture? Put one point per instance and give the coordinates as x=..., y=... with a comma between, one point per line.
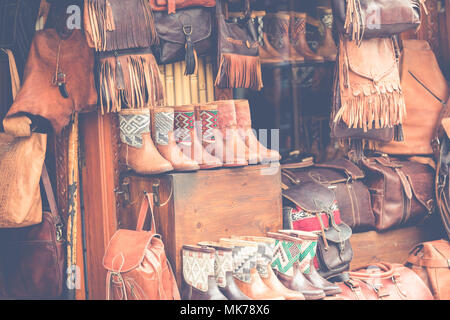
x=431, y=262
x=297, y=36
x=419, y=62
x=327, y=47
x=256, y=289
x=213, y=293
x=172, y=5
x=402, y=192
x=274, y=284
x=442, y=180
x=136, y=262
x=35, y=265
x=231, y=290
x=384, y=281
x=318, y=281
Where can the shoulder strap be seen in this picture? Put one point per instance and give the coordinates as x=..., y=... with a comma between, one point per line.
x=50, y=195
x=146, y=204
x=15, y=79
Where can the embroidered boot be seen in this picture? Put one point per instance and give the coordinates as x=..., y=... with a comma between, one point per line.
x=278, y=35
x=306, y=263
x=198, y=274
x=297, y=32
x=137, y=150
x=246, y=275
x=228, y=146
x=163, y=136
x=187, y=139
x=244, y=123
x=286, y=266
x=265, y=256
x=223, y=270
x=327, y=47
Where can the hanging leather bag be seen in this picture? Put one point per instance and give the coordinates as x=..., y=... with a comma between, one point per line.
x=172, y=5
x=33, y=267
x=431, y=262
x=402, y=191
x=384, y=281
x=136, y=262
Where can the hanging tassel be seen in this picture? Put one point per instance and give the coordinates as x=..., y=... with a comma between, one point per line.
x=398, y=133
x=238, y=71
x=354, y=23
x=110, y=24
x=190, y=57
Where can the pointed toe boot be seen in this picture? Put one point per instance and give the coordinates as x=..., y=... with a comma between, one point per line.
x=327, y=48
x=297, y=31
x=318, y=281
x=137, y=150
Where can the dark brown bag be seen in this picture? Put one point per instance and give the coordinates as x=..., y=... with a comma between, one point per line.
x=402, y=191
x=172, y=5
x=346, y=180
x=360, y=19
x=441, y=148
x=34, y=257
x=184, y=35
x=238, y=51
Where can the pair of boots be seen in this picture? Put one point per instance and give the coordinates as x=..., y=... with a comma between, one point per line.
x=162, y=139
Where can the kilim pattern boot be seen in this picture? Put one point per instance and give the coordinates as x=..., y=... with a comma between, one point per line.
x=164, y=138
x=277, y=29
x=285, y=263
x=297, y=32
x=137, y=150
x=246, y=275
x=266, y=247
x=198, y=274
x=187, y=139
x=244, y=123
x=306, y=262
x=327, y=47
x=223, y=270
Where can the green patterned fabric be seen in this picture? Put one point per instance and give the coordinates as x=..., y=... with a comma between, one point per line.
x=287, y=253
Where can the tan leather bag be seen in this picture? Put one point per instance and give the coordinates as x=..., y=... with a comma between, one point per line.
x=137, y=265
x=418, y=65
x=22, y=156
x=431, y=262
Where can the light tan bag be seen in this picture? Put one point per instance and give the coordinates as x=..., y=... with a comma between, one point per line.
x=22, y=155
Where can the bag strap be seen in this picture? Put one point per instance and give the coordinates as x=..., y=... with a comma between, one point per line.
x=15, y=79
x=50, y=195
x=387, y=271
x=146, y=204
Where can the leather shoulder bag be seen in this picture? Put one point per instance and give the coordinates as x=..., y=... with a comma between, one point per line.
x=402, y=191
x=184, y=35
x=34, y=257
x=384, y=281
x=136, y=262
x=172, y=5
x=431, y=262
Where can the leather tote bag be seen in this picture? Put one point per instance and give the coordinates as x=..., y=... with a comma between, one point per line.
x=137, y=265
x=172, y=5
x=33, y=267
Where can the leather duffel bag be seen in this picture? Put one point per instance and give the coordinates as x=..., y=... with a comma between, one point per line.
x=431, y=262
x=402, y=191
x=384, y=281
x=346, y=180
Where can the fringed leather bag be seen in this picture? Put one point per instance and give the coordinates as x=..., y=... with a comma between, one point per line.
x=172, y=5
x=238, y=52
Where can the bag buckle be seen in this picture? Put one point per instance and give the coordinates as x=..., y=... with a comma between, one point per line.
x=59, y=232
x=187, y=30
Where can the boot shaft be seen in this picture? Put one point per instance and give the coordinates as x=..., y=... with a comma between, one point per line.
x=308, y=248
x=223, y=262
x=244, y=258
x=162, y=125
x=277, y=29
x=134, y=123
x=208, y=116
x=198, y=266
x=184, y=124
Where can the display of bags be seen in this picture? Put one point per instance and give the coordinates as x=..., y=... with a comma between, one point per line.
x=402, y=192
x=136, y=262
x=172, y=5
x=184, y=35
x=430, y=260
x=384, y=281
x=34, y=267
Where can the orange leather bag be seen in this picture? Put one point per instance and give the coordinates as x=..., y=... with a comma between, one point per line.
x=137, y=265
x=384, y=281
x=431, y=262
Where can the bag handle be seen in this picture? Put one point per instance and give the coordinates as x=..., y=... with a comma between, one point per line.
x=50, y=194
x=387, y=272
x=146, y=204
x=15, y=79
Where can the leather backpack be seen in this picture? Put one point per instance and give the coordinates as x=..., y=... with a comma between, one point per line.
x=138, y=268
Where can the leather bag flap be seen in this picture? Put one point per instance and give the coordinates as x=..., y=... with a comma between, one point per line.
x=126, y=250
x=196, y=21
x=343, y=233
x=310, y=196
x=348, y=167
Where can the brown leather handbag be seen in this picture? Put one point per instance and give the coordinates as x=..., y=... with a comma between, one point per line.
x=346, y=180
x=402, y=191
x=384, y=281
x=431, y=262
x=33, y=258
x=172, y=5
x=137, y=265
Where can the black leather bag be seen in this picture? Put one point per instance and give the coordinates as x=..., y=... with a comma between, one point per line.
x=184, y=35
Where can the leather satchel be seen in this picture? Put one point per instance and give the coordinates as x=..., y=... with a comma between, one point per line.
x=359, y=19
x=184, y=35
x=172, y=5
x=346, y=180
x=402, y=192
x=136, y=262
x=431, y=262
x=238, y=51
x=384, y=281
x=34, y=267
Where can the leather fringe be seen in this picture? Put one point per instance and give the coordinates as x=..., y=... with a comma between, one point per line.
x=354, y=23
x=130, y=80
x=238, y=71
x=107, y=33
